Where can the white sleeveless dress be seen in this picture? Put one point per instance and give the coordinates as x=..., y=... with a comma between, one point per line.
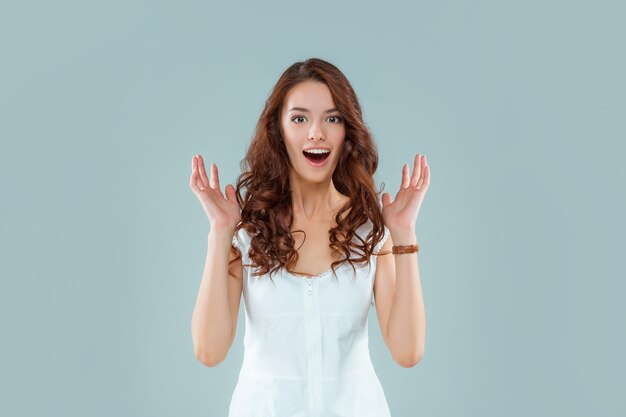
x=306, y=351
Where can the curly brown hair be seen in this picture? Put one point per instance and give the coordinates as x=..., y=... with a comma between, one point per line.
x=266, y=209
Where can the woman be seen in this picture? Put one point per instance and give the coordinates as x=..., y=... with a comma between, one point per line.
x=302, y=247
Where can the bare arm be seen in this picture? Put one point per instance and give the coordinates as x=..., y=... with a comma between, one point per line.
x=400, y=302
x=397, y=285
x=214, y=320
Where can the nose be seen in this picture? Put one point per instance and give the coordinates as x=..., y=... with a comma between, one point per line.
x=315, y=132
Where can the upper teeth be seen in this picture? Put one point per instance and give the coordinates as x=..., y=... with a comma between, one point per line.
x=317, y=150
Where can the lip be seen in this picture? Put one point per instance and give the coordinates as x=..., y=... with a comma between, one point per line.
x=317, y=164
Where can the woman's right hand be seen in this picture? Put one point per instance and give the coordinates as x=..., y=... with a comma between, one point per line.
x=223, y=212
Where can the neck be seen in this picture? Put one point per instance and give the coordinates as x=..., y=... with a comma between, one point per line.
x=314, y=200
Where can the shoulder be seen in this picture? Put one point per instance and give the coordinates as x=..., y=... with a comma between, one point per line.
x=241, y=239
x=384, y=242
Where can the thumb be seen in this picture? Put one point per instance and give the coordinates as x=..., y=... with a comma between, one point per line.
x=231, y=195
x=386, y=199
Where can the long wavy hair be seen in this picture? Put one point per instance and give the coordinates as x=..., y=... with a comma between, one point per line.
x=266, y=209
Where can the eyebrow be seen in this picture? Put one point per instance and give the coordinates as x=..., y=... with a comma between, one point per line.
x=305, y=110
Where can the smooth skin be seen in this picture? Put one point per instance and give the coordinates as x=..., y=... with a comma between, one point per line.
x=214, y=321
x=397, y=286
x=309, y=120
x=305, y=123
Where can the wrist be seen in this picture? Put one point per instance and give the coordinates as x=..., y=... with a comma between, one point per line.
x=221, y=232
x=403, y=236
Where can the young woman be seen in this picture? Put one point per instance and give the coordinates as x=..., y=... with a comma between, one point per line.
x=311, y=247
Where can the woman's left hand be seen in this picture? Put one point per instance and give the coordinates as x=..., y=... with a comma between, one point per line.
x=402, y=213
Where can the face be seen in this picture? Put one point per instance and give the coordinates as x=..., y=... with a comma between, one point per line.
x=310, y=121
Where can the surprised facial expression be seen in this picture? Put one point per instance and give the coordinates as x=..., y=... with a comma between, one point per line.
x=313, y=130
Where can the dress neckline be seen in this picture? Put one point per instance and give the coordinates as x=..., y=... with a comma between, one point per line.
x=303, y=277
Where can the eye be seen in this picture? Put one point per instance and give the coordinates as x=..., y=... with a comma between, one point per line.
x=338, y=119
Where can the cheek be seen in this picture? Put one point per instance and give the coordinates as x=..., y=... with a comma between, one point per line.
x=290, y=136
x=292, y=149
x=339, y=141
x=339, y=134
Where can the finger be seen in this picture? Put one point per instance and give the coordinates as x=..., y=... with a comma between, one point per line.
x=194, y=173
x=215, y=179
x=203, y=178
x=406, y=181
x=416, y=170
x=199, y=185
x=425, y=180
x=420, y=181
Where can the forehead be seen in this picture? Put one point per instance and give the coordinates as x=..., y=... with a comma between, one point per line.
x=312, y=95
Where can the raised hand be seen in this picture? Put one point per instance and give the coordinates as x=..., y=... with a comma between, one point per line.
x=223, y=212
x=402, y=213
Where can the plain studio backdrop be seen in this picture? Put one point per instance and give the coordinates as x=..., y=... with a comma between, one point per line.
x=518, y=106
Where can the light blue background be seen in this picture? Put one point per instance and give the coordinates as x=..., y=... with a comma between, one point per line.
x=519, y=107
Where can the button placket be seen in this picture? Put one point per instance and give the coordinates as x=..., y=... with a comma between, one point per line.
x=309, y=321
x=313, y=348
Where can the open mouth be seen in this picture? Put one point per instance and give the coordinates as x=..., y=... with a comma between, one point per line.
x=316, y=156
